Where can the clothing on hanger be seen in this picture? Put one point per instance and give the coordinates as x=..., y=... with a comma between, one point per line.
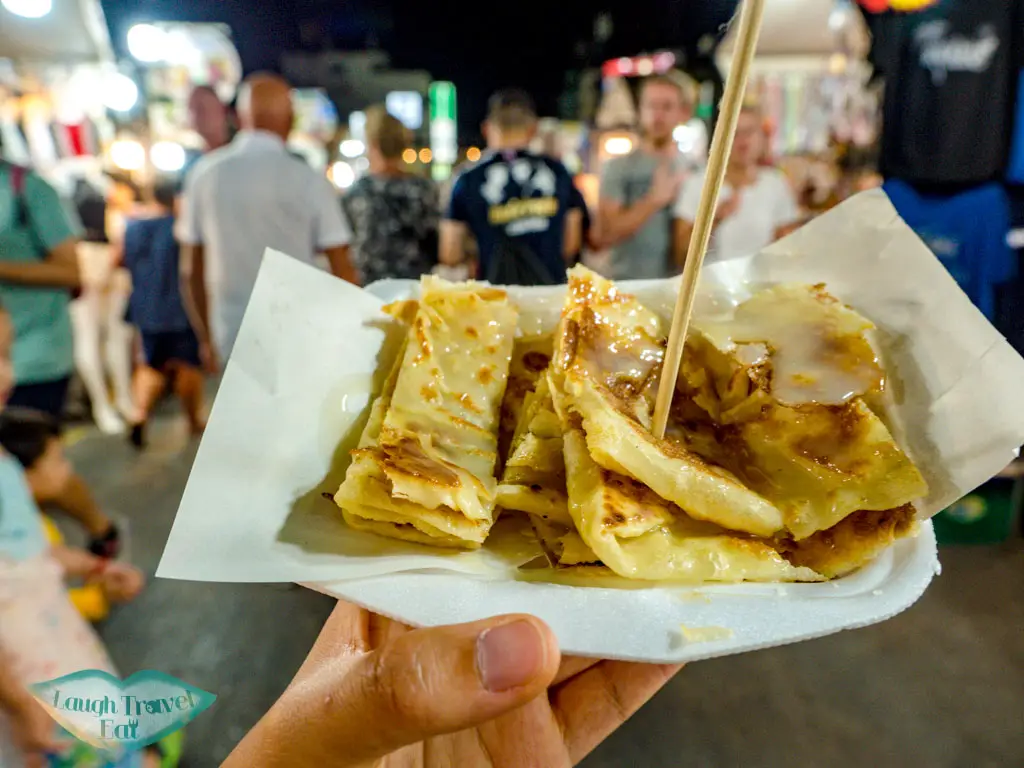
x=13, y=143
x=950, y=75
x=74, y=139
x=40, y=142
x=1015, y=172
x=967, y=232
x=61, y=141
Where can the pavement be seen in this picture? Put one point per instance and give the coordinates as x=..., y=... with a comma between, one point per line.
x=941, y=685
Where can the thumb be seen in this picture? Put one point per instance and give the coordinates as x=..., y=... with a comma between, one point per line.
x=423, y=683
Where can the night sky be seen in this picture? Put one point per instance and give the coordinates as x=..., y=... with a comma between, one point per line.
x=528, y=43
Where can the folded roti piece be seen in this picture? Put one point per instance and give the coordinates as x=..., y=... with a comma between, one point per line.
x=705, y=490
x=778, y=397
x=367, y=503
x=639, y=535
x=607, y=360
x=530, y=358
x=438, y=442
x=534, y=477
x=563, y=545
x=852, y=543
x=424, y=467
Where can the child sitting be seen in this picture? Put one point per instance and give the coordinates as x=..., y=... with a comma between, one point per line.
x=170, y=349
x=42, y=636
x=33, y=438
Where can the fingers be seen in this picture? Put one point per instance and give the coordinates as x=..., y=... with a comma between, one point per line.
x=572, y=666
x=427, y=682
x=418, y=684
x=527, y=737
x=593, y=704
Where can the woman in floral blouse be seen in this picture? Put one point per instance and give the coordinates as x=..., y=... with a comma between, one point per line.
x=394, y=215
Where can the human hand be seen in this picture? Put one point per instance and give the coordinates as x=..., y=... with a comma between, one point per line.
x=665, y=184
x=34, y=732
x=209, y=358
x=493, y=693
x=121, y=582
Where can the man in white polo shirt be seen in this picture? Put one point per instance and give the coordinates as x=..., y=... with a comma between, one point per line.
x=244, y=198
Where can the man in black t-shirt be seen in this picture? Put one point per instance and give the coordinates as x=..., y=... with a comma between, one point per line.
x=520, y=207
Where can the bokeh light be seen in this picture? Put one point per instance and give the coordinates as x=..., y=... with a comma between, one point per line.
x=147, y=43
x=352, y=148
x=29, y=9
x=120, y=93
x=343, y=175
x=167, y=156
x=128, y=155
x=618, y=145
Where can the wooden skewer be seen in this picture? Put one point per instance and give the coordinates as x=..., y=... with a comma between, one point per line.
x=721, y=145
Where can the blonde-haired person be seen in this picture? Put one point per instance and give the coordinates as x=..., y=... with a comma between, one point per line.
x=639, y=190
x=756, y=206
x=394, y=215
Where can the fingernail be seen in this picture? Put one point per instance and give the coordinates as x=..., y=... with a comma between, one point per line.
x=509, y=656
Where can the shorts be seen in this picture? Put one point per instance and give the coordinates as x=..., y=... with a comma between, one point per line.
x=164, y=347
x=46, y=396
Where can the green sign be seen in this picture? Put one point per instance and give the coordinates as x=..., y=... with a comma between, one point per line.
x=443, y=130
x=442, y=101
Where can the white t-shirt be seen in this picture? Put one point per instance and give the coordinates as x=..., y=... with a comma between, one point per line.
x=765, y=205
x=247, y=197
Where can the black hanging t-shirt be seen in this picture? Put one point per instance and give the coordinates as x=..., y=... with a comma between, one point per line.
x=950, y=84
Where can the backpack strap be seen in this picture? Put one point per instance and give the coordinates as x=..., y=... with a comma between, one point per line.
x=22, y=220
x=18, y=174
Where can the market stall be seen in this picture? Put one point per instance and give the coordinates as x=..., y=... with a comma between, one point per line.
x=58, y=83
x=810, y=80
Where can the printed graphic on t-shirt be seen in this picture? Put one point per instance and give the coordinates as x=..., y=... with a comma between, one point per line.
x=535, y=205
x=942, y=52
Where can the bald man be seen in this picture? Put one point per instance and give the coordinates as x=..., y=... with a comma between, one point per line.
x=244, y=198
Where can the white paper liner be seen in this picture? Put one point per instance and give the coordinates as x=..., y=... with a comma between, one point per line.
x=311, y=347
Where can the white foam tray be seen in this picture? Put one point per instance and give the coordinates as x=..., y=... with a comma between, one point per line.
x=648, y=622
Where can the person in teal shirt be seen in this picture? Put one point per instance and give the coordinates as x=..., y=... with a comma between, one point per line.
x=38, y=272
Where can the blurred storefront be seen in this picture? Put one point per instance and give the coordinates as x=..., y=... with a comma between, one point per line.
x=316, y=126
x=810, y=75
x=811, y=79
x=59, y=87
